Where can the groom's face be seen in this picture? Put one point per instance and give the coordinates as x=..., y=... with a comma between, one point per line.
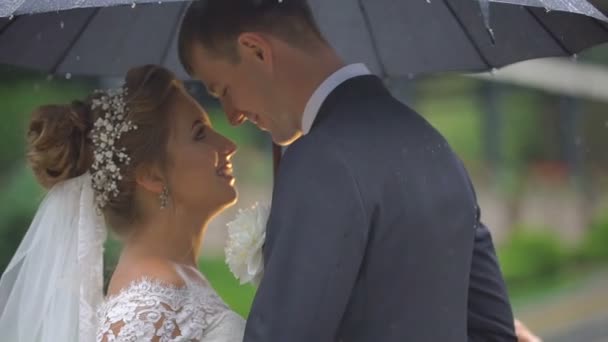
x=246, y=89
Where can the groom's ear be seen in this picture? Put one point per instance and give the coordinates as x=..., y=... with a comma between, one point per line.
x=256, y=47
x=150, y=177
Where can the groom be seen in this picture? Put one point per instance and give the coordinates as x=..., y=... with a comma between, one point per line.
x=375, y=232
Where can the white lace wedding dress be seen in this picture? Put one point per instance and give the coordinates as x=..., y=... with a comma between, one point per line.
x=150, y=310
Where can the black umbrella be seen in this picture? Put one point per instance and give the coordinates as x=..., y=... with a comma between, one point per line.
x=93, y=41
x=589, y=8
x=393, y=37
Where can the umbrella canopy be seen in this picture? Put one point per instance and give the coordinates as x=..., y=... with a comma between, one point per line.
x=574, y=6
x=17, y=7
x=93, y=41
x=393, y=37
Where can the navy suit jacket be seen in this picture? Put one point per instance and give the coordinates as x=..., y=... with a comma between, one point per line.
x=375, y=234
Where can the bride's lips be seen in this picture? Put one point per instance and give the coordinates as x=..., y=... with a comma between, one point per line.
x=224, y=171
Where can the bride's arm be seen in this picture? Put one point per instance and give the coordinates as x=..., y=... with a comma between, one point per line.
x=229, y=328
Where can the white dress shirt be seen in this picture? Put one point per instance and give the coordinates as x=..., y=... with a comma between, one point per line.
x=320, y=94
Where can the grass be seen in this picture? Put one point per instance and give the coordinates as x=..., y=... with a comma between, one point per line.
x=238, y=297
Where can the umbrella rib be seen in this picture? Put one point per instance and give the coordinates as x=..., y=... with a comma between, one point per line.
x=163, y=58
x=74, y=40
x=11, y=22
x=372, y=38
x=549, y=32
x=467, y=33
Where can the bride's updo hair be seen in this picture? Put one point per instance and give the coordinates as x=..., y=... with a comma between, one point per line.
x=60, y=148
x=57, y=142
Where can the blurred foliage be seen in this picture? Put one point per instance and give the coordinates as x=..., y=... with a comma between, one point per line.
x=455, y=116
x=530, y=254
x=19, y=98
x=534, y=261
x=594, y=248
x=450, y=103
x=520, y=138
x=111, y=255
x=18, y=202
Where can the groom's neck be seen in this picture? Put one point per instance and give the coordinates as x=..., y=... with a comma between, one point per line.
x=307, y=73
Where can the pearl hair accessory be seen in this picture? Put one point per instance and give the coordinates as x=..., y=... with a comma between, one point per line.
x=106, y=132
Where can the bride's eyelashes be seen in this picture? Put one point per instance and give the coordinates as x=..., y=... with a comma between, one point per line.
x=199, y=132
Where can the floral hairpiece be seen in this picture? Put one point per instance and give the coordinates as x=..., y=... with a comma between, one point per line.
x=106, y=132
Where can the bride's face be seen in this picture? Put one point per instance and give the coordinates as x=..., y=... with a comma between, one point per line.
x=199, y=167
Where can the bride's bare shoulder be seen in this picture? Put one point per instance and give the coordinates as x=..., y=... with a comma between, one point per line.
x=131, y=271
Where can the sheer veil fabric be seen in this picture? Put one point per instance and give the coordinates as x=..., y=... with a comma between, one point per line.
x=54, y=283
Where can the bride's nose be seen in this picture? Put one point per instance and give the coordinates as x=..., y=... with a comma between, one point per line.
x=227, y=147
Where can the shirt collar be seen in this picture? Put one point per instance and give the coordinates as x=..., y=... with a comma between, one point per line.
x=320, y=94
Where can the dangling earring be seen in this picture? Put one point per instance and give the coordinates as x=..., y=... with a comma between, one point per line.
x=164, y=198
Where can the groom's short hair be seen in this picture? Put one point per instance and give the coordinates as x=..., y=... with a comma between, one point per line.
x=216, y=24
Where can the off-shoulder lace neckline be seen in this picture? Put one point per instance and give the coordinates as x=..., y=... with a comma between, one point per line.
x=156, y=286
x=192, y=309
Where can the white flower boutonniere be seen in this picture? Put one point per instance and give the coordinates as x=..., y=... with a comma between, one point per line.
x=246, y=236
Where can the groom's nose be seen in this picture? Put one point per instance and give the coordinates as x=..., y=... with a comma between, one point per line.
x=237, y=118
x=234, y=116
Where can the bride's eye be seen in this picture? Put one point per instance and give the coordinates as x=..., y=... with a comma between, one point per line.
x=200, y=134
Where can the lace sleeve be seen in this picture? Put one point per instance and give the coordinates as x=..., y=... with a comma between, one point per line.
x=144, y=312
x=229, y=328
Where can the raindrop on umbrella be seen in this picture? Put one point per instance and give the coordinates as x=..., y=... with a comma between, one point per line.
x=584, y=7
x=11, y=17
x=68, y=76
x=485, y=11
x=62, y=25
x=78, y=58
x=133, y=5
x=574, y=57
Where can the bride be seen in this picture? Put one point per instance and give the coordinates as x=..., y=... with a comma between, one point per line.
x=144, y=161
